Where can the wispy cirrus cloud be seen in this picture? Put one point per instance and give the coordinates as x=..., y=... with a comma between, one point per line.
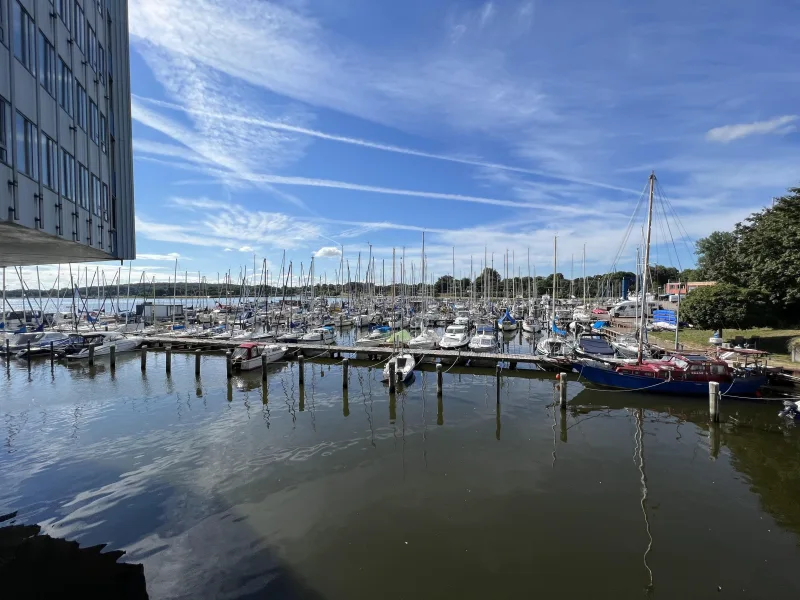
x=777, y=126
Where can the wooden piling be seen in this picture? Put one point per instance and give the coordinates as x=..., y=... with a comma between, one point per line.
x=228, y=364
x=112, y=357
x=8, y=353
x=345, y=368
x=497, y=381
x=264, y=367
x=301, y=367
x=562, y=390
x=168, y=353
x=91, y=356
x=438, y=379
x=144, y=358
x=392, y=378
x=713, y=401
x=52, y=355
x=197, y=357
x=28, y=354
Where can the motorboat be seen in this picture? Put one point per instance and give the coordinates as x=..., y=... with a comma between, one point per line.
x=376, y=337
x=484, y=340
x=555, y=345
x=455, y=337
x=20, y=341
x=107, y=340
x=426, y=340
x=679, y=374
x=404, y=366
x=530, y=324
x=323, y=335
x=40, y=344
x=249, y=356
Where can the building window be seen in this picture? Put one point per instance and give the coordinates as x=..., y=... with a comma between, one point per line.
x=24, y=38
x=2, y=22
x=27, y=147
x=81, y=110
x=5, y=131
x=101, y=63
x=103, y=134
x=95, y=195
x=83, y=186
x=64, y=86
x=49, y=162
x=91, y=47
x=64, y=12
x=80, y=28
x=104, y=202
x=94, y=126
x=47, y=65
x=67, y=175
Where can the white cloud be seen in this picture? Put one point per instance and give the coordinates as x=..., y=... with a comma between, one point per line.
x=328, y=252
x=246, y=249
x=228, y=250
x=171, y=256
x=777, y=126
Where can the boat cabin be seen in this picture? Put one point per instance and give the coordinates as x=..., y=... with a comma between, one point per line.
x=682, y=367
x=246, y=351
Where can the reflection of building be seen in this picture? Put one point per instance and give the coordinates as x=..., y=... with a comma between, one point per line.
x=685, y=287
x=65, y=132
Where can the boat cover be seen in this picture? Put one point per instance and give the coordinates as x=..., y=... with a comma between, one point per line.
x=507, y=317
x=596, y=346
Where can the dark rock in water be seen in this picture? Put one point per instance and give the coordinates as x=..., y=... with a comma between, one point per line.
x=39, y=566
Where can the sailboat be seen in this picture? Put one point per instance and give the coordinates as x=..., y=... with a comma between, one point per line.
x=557, y=343
x=402, y=361
x=428, y=338
x=678, y=374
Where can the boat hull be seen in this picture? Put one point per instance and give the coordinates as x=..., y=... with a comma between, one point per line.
x=747, y=386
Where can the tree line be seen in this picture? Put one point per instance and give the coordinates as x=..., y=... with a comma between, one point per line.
x=757, y=270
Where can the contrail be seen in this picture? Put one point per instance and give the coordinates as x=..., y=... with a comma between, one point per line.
x=376, y=146
x=343, y=185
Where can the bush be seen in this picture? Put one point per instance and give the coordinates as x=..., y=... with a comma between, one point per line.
x=725, y=306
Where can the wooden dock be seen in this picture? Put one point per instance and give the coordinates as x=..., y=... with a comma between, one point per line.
x=375, y=352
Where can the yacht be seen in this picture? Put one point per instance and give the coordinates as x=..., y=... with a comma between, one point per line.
x=376, y=337
x=40, y=343
x=404, y=367
x=507, y=322
x=484, y=341
x=428, y=339
x=323, y=335
x=107, y=340
x=455, y=337
x=248, y=356
x=555, y=345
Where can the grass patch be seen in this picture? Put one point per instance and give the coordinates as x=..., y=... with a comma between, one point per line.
x=775, y=341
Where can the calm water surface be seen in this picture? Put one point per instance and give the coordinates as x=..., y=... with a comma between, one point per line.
x=242, y=491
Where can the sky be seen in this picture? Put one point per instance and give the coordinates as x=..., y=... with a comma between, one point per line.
x=323, y=126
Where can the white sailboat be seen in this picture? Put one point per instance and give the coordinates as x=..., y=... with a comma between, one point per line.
x=402, y=362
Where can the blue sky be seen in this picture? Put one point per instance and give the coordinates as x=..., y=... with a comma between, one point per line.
x=315, y=125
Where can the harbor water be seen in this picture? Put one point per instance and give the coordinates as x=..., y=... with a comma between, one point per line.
x=242, y=490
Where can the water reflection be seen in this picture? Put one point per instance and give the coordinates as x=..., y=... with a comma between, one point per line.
x=215, y=501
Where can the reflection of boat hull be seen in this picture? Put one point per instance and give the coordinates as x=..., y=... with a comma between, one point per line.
x=747, y=386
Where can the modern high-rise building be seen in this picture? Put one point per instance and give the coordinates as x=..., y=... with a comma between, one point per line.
x=66, y=157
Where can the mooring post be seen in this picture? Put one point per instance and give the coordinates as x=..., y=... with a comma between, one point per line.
x=52, y=355
x=112, y=357
x=8, y=354
x=713, y=401
x=228, y=365
x=168, y=353
x=197, y=357
x=28, y=354
x=497, y=381
x=301, y=365
x=438, y=379
x=91, y=355
x=263, y=367
x=345, y=368
x=562, y=390
x=392, y=377
x=144, y=358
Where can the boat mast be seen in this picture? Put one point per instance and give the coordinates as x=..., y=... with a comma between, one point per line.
x=555, y=270
x=584, y=275
x=643, y=324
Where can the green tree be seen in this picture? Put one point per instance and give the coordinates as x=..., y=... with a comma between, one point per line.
x=723, y=306
x=490, y=277
x=768, y=254
x=716, y=257
x=443, y=285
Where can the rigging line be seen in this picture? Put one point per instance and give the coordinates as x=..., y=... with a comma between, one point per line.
x=643, y=501
x=679, y=224
x=629, y=228
x=672, y=239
